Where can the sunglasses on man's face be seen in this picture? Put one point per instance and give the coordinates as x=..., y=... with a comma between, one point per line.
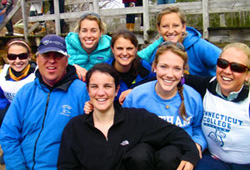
x=21, y=56
x=235, y=67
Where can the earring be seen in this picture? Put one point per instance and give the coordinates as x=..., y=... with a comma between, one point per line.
x=182, y=80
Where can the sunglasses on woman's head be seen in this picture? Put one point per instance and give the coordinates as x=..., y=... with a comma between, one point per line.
x=177, y=44
x=235, y=67
x=21, y=56
x=89, y=13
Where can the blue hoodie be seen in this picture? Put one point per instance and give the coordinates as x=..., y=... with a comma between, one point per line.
x=80, y=57
x=202, y=55
x=144, y=73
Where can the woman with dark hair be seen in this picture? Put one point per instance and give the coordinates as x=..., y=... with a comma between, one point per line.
x=104, y=138
x=130, y=67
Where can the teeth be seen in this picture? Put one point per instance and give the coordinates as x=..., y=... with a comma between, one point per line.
x=226, y=79
x=168, y=81
x=51, y=68
x=171, y=36
x=124, y=58
x=89, y=41
x=101, y=100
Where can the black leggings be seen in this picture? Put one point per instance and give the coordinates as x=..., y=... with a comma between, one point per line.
x=144, y=157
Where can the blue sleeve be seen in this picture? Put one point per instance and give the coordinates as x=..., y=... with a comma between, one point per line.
x=209, y=54
x=147, y=52
x=198, y=136
x=3, y=100
x=128, y=100
x=10, y=136
x=71, y=52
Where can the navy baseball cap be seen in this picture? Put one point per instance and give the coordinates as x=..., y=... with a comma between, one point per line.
x=52, y=43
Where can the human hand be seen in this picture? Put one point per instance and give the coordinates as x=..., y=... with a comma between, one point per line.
x=185, y=165
x=123, y=95
x=81, y=72
x=3, y=11
x=88, y=107
x=199, y=149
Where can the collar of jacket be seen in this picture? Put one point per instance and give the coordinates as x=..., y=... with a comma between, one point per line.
x=119, y=117
x=64, y=83
x=241, y=96
x=31, y=70
x=142, y=71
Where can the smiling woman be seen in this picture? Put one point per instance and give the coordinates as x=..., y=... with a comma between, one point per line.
x=171, y=26
x=89, y=45
x=169, y=99
x=130, y=67
x=19, y=71
x=226, y=123
x=112, y=132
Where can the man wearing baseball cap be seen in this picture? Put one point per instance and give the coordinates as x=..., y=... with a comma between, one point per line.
x=31, y=130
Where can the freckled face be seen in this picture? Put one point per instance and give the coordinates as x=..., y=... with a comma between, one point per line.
x=169, y=70
x=171, y=27
x=89, y=35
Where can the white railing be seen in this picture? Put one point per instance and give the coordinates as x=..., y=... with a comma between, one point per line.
x=203, y=7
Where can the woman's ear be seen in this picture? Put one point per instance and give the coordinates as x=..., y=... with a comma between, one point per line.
x=247, y=77
x=154, y=67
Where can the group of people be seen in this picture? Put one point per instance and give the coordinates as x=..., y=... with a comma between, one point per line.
x=96, y=102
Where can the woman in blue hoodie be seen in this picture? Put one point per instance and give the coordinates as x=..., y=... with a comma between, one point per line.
x=167, y=97
x=130, y=67
x=89, y=45
x=171, y=25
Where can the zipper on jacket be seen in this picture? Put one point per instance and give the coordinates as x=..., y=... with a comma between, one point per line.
x=88, y=58
x=45, y=113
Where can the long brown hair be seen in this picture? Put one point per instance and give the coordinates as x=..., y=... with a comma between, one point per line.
x=181, y=53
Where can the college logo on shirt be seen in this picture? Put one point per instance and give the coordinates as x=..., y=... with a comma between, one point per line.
x=177, y=120
x=9, y=95
x=66, y=110
x=221, y=124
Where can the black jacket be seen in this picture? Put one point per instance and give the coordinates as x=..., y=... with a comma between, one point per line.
x=85, y=147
